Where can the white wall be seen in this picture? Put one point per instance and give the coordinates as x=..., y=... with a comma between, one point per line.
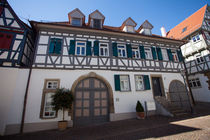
x=12, y=89
x=126, y=103
x=201, y=94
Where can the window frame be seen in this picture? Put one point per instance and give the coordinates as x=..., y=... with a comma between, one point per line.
x=78, y=19
x=124, y=48
x=164, y=54
x=196, y=38
x=137, y=52
x=175, y=56
x=142, y=76
x=100, y=23
x=196, y=81
x=77, y=46
x=103, y=47
x=44, y=93
x=128, y=84
x=148, y=52
x=199, y=59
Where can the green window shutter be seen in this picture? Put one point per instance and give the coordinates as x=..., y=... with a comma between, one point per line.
x=170, y=56
x=142, y=52
x=58, y=46
x=154, y=55
x=179, y=53
x=114, y=49
x=146, y=82
x=52, y=45
x=129, y=50
x=72, y=47
x=117, y=82
x=96, y=48
x=88, y=48
x=159, y=53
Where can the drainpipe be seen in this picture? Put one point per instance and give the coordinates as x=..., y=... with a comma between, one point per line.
x=25, y=102
x=26, y=92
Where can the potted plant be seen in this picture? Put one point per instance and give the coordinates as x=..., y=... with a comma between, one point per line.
x=139, y=110
x=62, y=100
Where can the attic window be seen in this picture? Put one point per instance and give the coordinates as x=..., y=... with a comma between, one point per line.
x=76, y=22
x=184, y=29
x=97, y=23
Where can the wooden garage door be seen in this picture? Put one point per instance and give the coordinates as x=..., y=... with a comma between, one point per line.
x=178, y=94
x=91, y=102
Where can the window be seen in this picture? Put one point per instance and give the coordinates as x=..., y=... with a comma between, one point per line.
x=135, y=52
x=80, y=48
x=175, y=57
x=55, y=46
x=52, y=84
x=148, y=53
x=121, y=50
x=184, y=29
x=196, y=38
x=47, y=109
x=124, y=83
x=104, y=51
x=97, y=23
x=139, y=81
x=195, y=83
x=5, y=40
x=164, y=54
x=76, y=22
x=49, y=112
x=199, y=59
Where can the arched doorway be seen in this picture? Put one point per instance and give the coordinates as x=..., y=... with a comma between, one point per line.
x=92, y=104
x=178, y=95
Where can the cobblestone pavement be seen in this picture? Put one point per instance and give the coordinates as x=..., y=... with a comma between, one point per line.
x=190, y=127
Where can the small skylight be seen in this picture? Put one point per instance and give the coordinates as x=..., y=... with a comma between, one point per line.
x=184, y=29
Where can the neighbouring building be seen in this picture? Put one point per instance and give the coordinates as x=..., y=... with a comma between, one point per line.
x=196, y=29
x=107, y=68
x=16, y=52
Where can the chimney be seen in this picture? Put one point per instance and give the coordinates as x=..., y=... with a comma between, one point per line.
x=163, y=31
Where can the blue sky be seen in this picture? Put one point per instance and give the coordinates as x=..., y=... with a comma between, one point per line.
x=167, y=13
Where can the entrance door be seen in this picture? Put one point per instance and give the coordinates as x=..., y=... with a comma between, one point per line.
x=156, y=86
x=91, y=102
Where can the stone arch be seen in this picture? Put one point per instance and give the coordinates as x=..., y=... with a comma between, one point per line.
x=94, y=75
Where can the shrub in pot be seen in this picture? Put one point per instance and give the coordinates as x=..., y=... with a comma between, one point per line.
x=62, y=100
x=139, y=110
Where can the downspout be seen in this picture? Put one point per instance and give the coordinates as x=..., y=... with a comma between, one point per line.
x=26, y=92
x=25, y=101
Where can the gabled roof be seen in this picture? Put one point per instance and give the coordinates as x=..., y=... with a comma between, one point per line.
x=98, y=14
x=146, y=24
x=129, y=22
x=76, y=13
x=5, y=5
x=191, y=24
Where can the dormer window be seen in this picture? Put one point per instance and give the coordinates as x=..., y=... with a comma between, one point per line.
x=76, y=18
x=76, y=22
x=128, y=25
x=96, y=20
x=145, y=28
x=184, y=29
x=97, y=23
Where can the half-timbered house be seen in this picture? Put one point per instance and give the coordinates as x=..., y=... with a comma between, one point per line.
x=196, y=29
x=107, y=68
x=16, y=51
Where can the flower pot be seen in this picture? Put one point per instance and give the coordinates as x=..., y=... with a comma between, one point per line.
x=62, y=125
x=140, y=115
